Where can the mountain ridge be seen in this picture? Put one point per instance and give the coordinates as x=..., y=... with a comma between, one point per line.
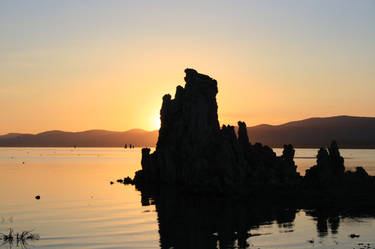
x=349, y=131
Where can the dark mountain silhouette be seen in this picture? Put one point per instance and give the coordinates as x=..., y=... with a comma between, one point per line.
x=351, y=132
x=91, y=138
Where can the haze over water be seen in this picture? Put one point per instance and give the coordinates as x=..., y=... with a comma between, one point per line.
x=80, y=209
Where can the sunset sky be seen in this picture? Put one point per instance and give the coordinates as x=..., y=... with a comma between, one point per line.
x=78, y=65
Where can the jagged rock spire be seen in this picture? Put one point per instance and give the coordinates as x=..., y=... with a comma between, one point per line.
x=192, y=149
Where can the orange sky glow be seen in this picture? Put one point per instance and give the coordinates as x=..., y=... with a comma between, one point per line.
x=71, y=67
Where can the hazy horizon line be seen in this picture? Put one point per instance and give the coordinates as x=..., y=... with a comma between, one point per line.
x=146, y=130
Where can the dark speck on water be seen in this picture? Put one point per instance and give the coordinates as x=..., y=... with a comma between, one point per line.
x=353, y=235
x=37, y=197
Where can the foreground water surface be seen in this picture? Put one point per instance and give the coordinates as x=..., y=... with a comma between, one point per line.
x=80, y=209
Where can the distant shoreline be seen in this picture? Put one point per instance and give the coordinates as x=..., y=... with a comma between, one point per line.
x=116, y=147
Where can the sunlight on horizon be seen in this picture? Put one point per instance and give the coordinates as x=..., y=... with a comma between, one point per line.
x=64, y=66
x=156, y=122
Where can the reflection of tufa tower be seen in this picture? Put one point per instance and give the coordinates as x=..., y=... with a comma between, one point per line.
x=208, y=222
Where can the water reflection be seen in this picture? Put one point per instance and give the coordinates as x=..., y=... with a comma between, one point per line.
x=187, y=221
x=326, y=219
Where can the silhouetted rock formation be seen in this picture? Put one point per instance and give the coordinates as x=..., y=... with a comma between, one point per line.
x=193, y=151
x=330, y=166
x=189, y=126
x=194, y=155
x=330, y=171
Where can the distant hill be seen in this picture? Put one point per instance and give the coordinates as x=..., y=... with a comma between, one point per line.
x=91, y=138
x=350, y=132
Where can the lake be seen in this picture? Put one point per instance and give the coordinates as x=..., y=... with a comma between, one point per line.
x=79, y=208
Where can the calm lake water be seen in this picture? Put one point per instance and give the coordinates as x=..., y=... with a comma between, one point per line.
x=80, y=209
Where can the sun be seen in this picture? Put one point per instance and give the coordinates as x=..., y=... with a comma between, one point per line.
x=156, y=122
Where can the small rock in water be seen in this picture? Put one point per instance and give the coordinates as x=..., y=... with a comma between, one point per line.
x=37, y=197
x=120, y=180
x=353, y=235
x=128, y=180
x=111, y=182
